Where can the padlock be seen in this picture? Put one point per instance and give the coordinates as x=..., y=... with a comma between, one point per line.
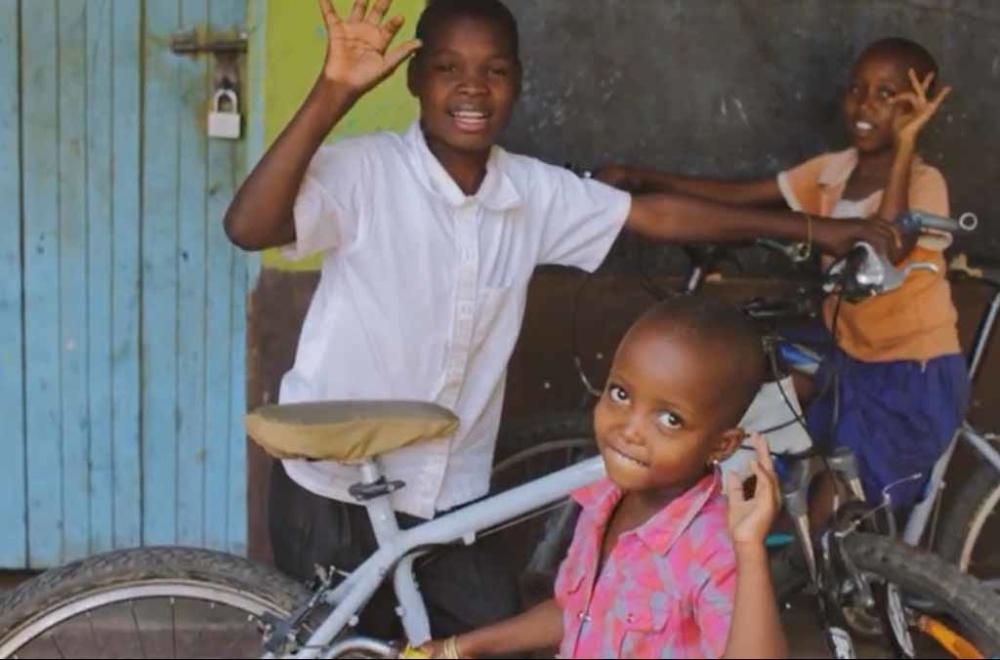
x=224, y=124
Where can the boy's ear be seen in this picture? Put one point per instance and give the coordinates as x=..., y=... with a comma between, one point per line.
x=412, y=76
x=729, y=441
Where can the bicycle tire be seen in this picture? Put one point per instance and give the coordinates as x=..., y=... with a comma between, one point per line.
x=525, y=435
x=38, y=607
x=976, y=505
x=924, y=576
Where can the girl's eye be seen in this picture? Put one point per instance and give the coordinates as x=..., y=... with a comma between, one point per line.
x=498, y=71
x=445, y=68
x=669, y=420
x=885, y=93
x=617, y=394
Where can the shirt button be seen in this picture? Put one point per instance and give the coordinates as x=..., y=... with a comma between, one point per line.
x=630, y=617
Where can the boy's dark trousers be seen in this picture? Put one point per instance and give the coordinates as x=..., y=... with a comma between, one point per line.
x=464, y=587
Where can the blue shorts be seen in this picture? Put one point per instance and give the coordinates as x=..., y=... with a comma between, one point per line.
x=898, y=417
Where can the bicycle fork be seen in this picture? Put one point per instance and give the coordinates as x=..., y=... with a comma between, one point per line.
x=822, y=563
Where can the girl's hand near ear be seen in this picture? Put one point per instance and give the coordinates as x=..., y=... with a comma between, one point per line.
x=751, y=514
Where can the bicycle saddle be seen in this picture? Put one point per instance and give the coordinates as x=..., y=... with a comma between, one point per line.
x=346, y=430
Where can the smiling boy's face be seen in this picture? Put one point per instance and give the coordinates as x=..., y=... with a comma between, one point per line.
x=467, y=78
x=868, y=108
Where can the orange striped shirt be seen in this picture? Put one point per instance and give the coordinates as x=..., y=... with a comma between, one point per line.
x=917, y=321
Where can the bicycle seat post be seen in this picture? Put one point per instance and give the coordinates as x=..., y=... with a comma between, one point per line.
x=374, y=494
x=843, y=462
x=795, y=495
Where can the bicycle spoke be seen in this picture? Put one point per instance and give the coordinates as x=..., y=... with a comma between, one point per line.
x=55, y=643
x=173, y=627
x=138, y=632
x=93, y=633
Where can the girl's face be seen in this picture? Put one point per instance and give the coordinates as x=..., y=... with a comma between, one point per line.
x=868, y=107
x=658, y=421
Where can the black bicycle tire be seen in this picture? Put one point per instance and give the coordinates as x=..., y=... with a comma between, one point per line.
x=925, y=575
x=59, y=587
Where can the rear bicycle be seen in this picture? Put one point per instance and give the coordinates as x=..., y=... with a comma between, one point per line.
x=971, y=527
x=870, y=587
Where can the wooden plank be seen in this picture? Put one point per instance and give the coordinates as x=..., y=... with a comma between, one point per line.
x=159, y=275
x=218, y=276
x=125, y=294
x=41, y=277
x=100, y=274
x=237, y=516
x=258, y=464
x=13, y=541
x=193, y=92
x=73, y=343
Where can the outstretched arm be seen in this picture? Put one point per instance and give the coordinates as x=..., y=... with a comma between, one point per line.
x=680, y=218
x=749, y=192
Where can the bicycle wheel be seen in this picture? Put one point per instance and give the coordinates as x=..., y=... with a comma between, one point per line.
x=537, y=543
x=970, y=530
x=541, y=445
x=934, y=609
x=146, y=602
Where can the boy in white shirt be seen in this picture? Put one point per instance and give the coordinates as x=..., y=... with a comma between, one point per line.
x=429, y=239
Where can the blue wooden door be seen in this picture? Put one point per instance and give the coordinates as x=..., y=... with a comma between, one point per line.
x=122, y=305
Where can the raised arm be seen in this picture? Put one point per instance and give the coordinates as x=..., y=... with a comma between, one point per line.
x=357, y=59
x=755, y=630
x=906, y=128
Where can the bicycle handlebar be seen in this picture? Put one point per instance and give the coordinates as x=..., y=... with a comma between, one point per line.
x=863, y=272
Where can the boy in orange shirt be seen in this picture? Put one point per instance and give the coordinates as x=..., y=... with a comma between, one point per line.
x=894, y=386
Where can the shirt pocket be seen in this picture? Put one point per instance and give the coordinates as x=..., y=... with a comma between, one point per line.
x=649, y=631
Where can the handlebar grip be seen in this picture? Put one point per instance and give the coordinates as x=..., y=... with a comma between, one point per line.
x=917, y=220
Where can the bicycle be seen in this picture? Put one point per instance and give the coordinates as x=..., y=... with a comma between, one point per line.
x=103, y=598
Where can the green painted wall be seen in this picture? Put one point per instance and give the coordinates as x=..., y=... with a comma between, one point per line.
x=294, y=45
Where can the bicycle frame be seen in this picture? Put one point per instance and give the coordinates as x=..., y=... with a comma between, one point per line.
x=398, y=549
x=920, y=518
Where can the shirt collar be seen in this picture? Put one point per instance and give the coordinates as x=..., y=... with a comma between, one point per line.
x=660, y=532
x=838, y=168
x=496, y=193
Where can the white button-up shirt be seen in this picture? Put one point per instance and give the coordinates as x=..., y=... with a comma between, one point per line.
x=422, y=294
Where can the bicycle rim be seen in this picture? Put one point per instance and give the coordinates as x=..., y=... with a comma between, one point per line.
x=985, y=515
x=162, y=618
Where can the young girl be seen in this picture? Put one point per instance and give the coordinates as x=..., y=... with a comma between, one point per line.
x=656, y=568
x=894, y=387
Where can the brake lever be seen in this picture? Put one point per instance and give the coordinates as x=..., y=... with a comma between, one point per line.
x=875, y=273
